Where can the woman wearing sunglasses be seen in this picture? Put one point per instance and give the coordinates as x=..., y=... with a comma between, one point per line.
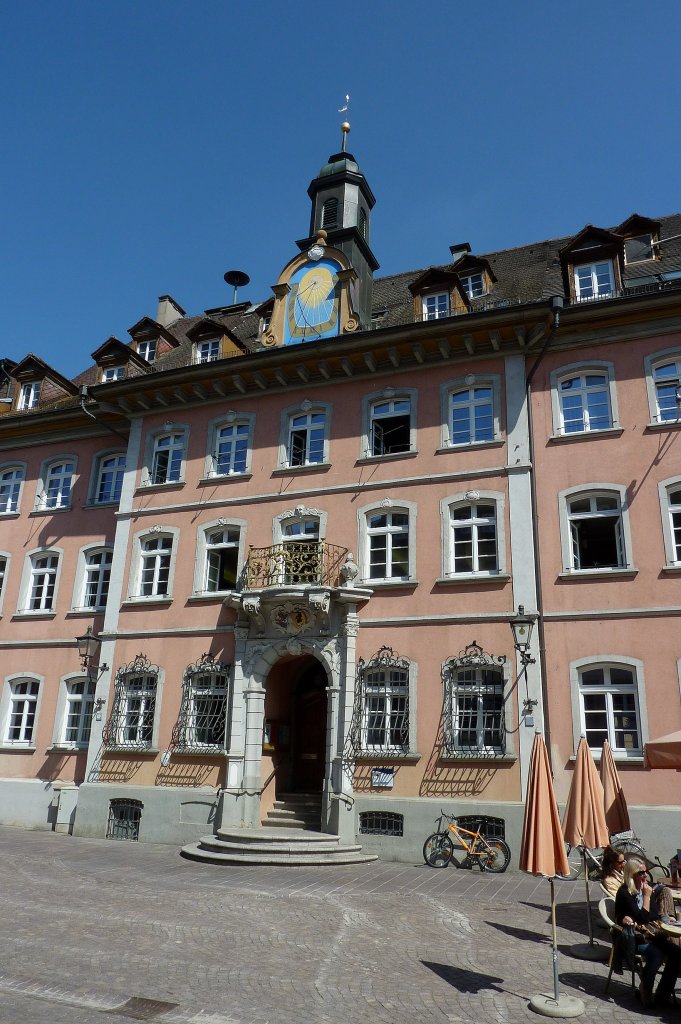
x=632, y=907
x=612, y=870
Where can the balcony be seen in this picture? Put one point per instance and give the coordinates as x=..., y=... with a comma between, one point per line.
x=297, y=563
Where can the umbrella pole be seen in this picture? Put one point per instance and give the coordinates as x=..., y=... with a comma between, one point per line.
x=554, y=941
x=557, y=1005
x=588, y=899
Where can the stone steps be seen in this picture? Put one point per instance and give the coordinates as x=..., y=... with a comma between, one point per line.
x=295, y=810
x=290, y=847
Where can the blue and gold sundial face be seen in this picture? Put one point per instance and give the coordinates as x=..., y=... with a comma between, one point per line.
x=312, y=305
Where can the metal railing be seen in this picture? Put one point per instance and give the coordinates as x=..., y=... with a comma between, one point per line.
x=295, y=563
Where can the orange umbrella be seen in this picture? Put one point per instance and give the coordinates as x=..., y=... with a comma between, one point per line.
x=584, y=821
x=664, y=752
x=542, y=852
x=616, y=811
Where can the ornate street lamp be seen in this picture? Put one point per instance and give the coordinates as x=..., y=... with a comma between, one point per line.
x=88, y=649
x=522, y=625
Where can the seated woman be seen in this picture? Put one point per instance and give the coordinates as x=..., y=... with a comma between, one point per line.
x=632, y=907
x=612, y=870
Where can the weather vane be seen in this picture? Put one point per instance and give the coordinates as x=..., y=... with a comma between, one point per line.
x=345, y=127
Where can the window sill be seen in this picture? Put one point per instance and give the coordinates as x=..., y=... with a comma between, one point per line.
x=496, y=442
x=83, y=613
x=620, y=759
x=133, y=751
x=599, y=574
x=66, y=748
x=224, y=478
x=671, y=570
x=10, y=515
x=392, y=584
x=136, y=602
x=389, y=457
x=464, y=578
x=472, y=757
x=101, y=504
x=172, y=485
x=19, y=616
x=585, y=435
x=38, y=512
x=295, y=470
x=663, y=425
x=211, y=755
x=214, y=595
x=378, y=758
x=16, y=748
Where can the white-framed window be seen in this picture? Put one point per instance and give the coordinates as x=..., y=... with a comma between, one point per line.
x=593, y=280
x=147, y=349
x=168, y=454
x=11, y=480
x=595, y=528
x=387, y=538
x=384, y=718
x=108, y=476
x=155, y=558
x=29, y=395
x=470, y=411
x=230, y=445
x=202, y=722
x=111, y=373
x=20, y=711
x=474, y=285
x=607, y=695
x=207, y=351
x=42, y=592
x=435, y=305
x=305, y=435
x=4, y=564
x=56, y=483
x=670, y=505
x=584, y=398
x=389, y=422
x=475, y=705
x=473, y=534
x=663, y=382
x=76, y=715
x=222, y=558
x=94, y=578
x=638, y=248
x=133, y=722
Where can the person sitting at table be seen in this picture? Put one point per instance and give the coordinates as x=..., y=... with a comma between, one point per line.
x=632, y=907
x=612, y=870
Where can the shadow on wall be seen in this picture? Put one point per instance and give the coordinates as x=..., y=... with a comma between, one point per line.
x=447, y=779
x=184, y=773
x=111, y=767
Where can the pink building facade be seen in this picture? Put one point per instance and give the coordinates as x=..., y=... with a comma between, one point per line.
x=301, y=530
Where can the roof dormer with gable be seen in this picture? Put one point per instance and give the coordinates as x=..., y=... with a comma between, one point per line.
x=39, y=384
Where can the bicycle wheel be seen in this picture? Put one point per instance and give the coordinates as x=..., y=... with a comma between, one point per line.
x=438, y=850
x=575, y=861
x=495, y=856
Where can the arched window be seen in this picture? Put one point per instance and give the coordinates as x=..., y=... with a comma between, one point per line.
x=132, y=720
x=11, y=479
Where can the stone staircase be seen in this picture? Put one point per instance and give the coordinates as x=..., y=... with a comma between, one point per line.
x=290, y=836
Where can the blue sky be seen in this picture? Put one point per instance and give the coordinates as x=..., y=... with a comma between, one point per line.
x=149, y=147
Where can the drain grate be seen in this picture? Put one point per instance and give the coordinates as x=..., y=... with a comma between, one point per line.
x=139, y=1008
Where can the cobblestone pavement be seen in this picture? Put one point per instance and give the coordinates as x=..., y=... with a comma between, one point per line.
x=89, y=925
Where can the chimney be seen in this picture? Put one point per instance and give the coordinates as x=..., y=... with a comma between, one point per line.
x=168, y=310
x=459, y=250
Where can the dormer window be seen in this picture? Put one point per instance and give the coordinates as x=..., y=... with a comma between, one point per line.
x=29, y=395
x=638, y=248
x=147, y=349
x=111, y=373
x=207, y=351
x=594, y=280
x=474, y=285
x=436, y=306
x=330, y=213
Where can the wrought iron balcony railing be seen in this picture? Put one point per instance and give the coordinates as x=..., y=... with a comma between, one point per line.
x=294, y=563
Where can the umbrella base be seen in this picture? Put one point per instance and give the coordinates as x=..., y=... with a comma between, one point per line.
x=588, y=951
x=564, y=1006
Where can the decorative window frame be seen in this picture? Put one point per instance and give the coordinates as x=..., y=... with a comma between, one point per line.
x=386, y=658
x=304, y=407
x=41, y=488
x=650, y=362
x=472, y=497
x=80, y=581
x=473, y=656
x=573, y=370
x=594, y=661
x=471, y=380
x=592, y=490
x=387, y=505
x=214, y=426
x=186, y=720
x=134, y=577
x=6, y=704
x=25, y=586
x=300, y=512
x=59, y=741
x=141, y=666
x=202, y=551
x=153, y=435
x=6, y=557
x=6, y=467
x=96, y=471
x=386, y=395
x=672, y=560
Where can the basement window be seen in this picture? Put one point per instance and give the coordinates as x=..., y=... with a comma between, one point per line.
x=124, y=819
x=381, y=823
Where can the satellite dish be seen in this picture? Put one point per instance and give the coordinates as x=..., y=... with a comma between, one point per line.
x=237, y=279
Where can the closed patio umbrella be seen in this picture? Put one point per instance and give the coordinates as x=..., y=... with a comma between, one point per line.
x=542, y=852
x=584, y=825
x=664, y=752
x=616, y=810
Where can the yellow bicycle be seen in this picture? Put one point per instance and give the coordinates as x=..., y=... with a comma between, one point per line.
x=490, y=854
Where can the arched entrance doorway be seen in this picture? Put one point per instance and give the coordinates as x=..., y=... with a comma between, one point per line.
x=295, y=726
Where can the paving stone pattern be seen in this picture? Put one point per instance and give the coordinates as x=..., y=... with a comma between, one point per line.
x=102, y=931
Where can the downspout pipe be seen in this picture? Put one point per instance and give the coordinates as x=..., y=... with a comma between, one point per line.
x=107, y=426
x=556, y=306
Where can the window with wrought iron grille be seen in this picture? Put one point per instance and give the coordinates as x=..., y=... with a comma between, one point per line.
x=124, y=821
x=132, y=719
x=493, y=828
x=381, y=715
x=474, y=705
x=381, y=823
x=202, y=721
x=11, y=479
